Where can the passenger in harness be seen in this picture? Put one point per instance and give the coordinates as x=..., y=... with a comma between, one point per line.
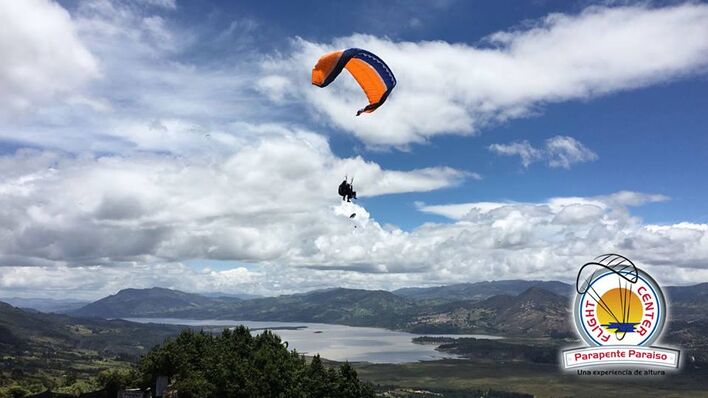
x=346, y=190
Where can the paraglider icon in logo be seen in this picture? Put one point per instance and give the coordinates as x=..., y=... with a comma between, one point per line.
x=618, y=290
x=370, y=71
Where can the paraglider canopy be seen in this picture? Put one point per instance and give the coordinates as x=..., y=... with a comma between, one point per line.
x=370, y=71
x=354, y=215
x=620, y=265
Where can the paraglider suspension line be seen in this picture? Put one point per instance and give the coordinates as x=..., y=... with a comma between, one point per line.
x=603, y=305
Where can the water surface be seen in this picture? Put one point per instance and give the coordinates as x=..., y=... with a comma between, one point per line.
x=336, y=342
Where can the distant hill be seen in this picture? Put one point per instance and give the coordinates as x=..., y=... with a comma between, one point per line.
x=343, y=306
x=688, y=293
x=535, y=312
x=242, y=296
x=40, y=350
x=46, y=305
x=144, y=303
x=688, y=303
x=22, y=331
x=482, y=290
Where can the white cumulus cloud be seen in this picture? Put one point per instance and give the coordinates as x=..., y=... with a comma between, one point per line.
x=449, y=88
x=558, y=151
x=42, y=56
x=523, y=149
x=264, y=198
x=317, y=246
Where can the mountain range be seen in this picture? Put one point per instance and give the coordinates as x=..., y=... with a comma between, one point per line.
x=535, y=312
x=156, y=301
x=47, y=305
x=482, y=290
x=34, y=344
x=510, y=308
x=22, y=331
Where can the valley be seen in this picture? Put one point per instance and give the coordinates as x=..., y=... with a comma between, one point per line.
x=66, y=351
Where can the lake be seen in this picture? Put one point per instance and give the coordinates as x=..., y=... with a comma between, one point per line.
x=336, y=342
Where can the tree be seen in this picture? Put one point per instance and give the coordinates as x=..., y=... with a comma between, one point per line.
x=236, y=364
x=114, y=380
x=349, y=385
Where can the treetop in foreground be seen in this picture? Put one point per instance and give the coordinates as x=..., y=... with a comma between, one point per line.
x=237, y=364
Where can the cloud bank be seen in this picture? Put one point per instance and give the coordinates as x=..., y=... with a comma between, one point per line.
x=303, y=250
x=266, y=199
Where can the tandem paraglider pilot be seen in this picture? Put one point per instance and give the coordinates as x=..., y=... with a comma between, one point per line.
x=346, y=191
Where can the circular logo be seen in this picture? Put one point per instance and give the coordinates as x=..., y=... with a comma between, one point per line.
x=619, y=307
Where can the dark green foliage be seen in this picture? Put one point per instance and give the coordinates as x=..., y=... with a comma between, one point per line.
x=113, y=380
x=237, y=364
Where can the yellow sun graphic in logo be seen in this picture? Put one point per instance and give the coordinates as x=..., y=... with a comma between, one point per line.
x=620, y=310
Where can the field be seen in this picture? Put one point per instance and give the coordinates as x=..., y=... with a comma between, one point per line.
x=68, y=371
x=537, y=379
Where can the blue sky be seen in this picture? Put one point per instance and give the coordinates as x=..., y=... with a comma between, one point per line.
x=651, y=139
x=452, y=21
x=180, y=144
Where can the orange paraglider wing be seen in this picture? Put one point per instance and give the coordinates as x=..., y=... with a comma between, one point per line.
x=370, y=71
